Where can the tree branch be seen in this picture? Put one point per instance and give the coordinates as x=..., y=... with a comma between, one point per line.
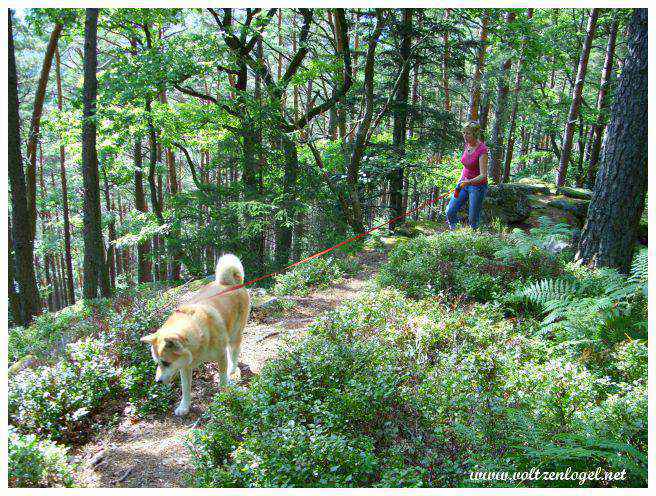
x=339, y=92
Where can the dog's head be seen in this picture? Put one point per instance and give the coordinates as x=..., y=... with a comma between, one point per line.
x=169, y=353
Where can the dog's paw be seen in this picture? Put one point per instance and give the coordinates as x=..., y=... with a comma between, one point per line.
x=181, y=411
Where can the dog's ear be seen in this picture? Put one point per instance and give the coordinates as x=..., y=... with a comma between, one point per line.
x=173, y=344
x=150, y=338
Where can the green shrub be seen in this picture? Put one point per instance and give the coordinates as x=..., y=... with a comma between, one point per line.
x=57, y=401
x=460, y=263
x=318, y=272
x=321, y=415
x=630, y=360
x=144, y=395
x=598, y=306
x=45, y=336
x=37, y=463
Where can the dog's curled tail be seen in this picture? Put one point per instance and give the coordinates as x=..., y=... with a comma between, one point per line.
x=229, y=270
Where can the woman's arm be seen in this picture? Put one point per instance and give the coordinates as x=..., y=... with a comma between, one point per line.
x=482, y=164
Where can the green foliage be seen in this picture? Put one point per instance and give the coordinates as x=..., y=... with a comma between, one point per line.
x=388, y=392
x=50, y=331
x=37, y=463
x=630, y=359
x=145, y=396
x=60, y=400
x=57, y=401
x=537, y=240
x=592, y=304
x=316, y=273
x=461, y=262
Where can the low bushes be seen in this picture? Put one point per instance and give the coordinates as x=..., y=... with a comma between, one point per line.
x=57, y=401
x=387, y=391
x=37, y=463
x=462, y=263
x=315, y=273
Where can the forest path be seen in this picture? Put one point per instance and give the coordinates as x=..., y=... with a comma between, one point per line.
x=151, y=452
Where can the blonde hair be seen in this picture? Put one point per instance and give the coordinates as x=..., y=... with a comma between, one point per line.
x=475, y=129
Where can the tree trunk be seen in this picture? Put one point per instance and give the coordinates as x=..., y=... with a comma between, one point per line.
x=602, y=103
x=400, y=120
x=484, y=111
x=96, y=275
x=610, y=231
x=111, y=228
x=445, y=64
x=14, y=298
x=475, y=98
x=174, y=252
x=577, y=96
x=22, y=241
x=33, y=136
x=70, y=284
x=284, y=227
x=144, y=264
x=513, y=112
x=496, y=140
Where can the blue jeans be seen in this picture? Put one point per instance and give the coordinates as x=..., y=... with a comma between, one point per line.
x=475, y=195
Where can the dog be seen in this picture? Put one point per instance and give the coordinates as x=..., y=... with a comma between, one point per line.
x=208, y=327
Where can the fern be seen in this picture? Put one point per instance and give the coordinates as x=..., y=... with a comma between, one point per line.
x=604, y=304
x=539, y=239
x=549, y=290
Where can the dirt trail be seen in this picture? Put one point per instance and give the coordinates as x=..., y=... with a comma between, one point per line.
x=151, y=452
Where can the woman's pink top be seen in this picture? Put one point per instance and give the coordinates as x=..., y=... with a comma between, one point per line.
x=471, y=168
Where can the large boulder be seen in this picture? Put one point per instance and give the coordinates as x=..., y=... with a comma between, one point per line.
x=577, y=208
x=578, y=193
x=506, y=202
x=536, y=186
x=558, y=209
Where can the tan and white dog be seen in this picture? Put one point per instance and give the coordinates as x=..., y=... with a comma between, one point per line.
x=207, y=328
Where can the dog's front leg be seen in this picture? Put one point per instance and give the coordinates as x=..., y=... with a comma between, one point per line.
x=185, y=381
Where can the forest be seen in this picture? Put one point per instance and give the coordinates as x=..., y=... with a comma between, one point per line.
x=145, y=143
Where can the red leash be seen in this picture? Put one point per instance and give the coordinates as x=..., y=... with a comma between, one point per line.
x=328, y=250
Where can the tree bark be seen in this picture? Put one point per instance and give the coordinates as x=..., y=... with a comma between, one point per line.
x=610, y=231
x=112, y=257
x=284, y=226
x=513, y=112
x=597, y=129
x=174, y=252
x=496, y=140
x=96, y=275
x=577, y=96
x=475, y=98
x=70, y=284
x=22, y=241
x=14, y=298
x=144, y=264
x=400, y=120
x=33, y=137
x=445, y=65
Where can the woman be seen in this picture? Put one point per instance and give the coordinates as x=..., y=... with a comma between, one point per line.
x=473, y=180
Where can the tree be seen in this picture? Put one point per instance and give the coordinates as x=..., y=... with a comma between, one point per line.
x=513, y=112
x=597, y=129
x=144, y=265
x=96, y=275
x=22, y=241
x=400, y=118
x=610, y=231
x=70, y=285
x=37, y=110
x=500, y=115
x=475, y=98
x=577, y=96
